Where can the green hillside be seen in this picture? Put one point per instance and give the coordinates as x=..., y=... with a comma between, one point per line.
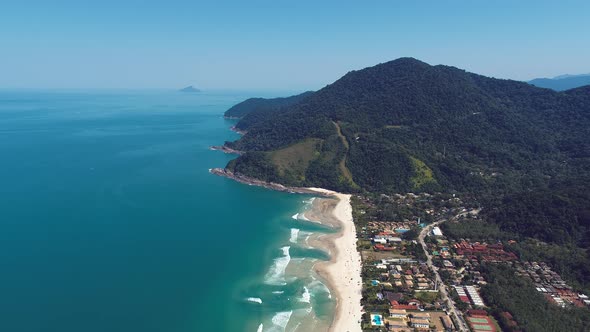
x=407, y=126
x=262, y=105
x=520, y=152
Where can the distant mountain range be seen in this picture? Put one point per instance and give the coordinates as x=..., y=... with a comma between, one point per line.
x=189, y=88
x=562, y=82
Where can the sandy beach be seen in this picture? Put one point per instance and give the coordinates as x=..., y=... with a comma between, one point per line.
x=343, y=271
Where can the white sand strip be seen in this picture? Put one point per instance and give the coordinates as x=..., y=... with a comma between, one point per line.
x=344, y=270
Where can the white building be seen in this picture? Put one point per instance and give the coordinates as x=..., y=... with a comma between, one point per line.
x=474, y=296
x=398, y=313
x=420, y=323
x=436, y=231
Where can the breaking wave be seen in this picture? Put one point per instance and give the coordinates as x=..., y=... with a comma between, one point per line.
x=294, y=235
x=306, y=296
x=280, y=320
x=276, y=273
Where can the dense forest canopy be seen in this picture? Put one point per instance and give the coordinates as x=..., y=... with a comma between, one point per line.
x=263, y=105
x=559, y=214
x=523, y=152
x=528, y=307
x=407, y=126
x=520, y=152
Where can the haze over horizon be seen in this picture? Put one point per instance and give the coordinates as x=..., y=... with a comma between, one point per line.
x=266, y=45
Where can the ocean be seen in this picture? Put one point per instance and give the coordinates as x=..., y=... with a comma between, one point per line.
x=110, y=220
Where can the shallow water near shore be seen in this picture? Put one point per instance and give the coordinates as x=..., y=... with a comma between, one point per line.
x=291, y=297
x=112, y=222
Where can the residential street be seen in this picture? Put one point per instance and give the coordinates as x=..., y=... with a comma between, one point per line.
x=458, y=316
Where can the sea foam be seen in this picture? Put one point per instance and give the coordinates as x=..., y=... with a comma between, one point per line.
x=294, y=235
x=254, y=299
x=276, y=273
x=306, y=296
x=309, y=201
x=319, y=287
x=300, y=216
x=281, y=319
x=260, y=328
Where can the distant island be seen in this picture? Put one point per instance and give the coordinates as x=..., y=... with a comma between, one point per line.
x=189, y=88
x=562, y=82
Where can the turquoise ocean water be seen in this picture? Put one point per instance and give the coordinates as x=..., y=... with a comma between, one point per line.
x=110, y=220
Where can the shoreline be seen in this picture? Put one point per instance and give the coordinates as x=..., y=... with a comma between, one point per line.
x=268, y=185
x=234, y=129
x=343, y=272
x=225, y=149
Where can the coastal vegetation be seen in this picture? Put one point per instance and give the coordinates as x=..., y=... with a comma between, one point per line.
x=410, y=126
x=528, y=307
x=293, y=161
x=550, y=225
x=311, y=162
x=518, y=155
x=422, y=175
x=257, y=107
x=559, y=214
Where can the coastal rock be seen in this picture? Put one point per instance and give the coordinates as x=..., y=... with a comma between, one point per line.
x=241, y=132
x=269, y=185
x=226, y=149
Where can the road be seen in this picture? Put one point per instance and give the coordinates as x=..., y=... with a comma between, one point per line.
x=462, y=326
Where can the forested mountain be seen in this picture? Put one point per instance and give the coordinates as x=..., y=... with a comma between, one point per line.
x=407, y=126
x=564, y=206
x=562, y=83
x=521, y=151
x=262, y=105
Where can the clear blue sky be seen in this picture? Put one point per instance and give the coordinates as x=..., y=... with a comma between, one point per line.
x=292, y=45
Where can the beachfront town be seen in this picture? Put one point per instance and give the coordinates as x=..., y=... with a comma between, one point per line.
x=421, y=274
